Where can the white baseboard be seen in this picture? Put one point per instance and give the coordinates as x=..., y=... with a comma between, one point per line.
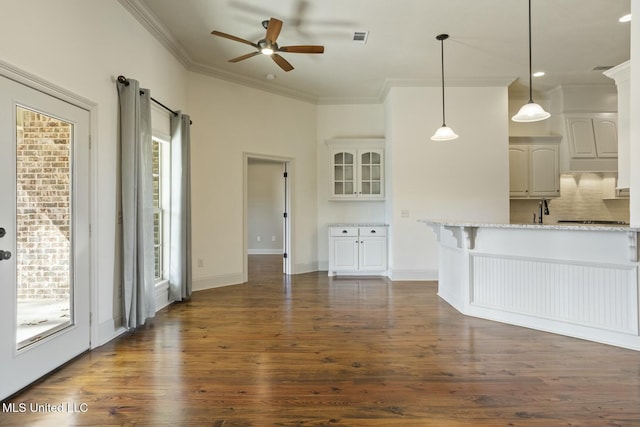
x=162, y=295
x=309, y=267
x=411, y=275
x=107, y=331
x=216, y=281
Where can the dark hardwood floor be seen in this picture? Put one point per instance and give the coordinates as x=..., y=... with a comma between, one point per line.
x=307, y=350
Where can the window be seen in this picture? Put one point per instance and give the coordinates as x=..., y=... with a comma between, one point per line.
x=161, y=197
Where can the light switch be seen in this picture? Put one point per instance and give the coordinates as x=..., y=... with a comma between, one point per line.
x=404, y=213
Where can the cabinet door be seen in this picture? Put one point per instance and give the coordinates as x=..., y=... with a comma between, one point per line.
x=582, y=142
x=606, y=136
x=373, y=253
x=343, y=166
x=371, y=170
x=518, y=170
x=344, y=253
x=545, y=172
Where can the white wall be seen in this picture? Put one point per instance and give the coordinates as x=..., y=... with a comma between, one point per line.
x=344, y=121
x=80, y=50
x=465, y=179
x=265, y=204
x=231, y=120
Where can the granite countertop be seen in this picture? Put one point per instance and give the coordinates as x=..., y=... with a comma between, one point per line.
x=563, y=226
x=358, y=224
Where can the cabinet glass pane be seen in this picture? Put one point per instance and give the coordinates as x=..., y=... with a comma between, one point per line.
x=366, y=158
x=375, y=188
x=366, y=188
x=375, y=158
x=375, y=173
x=338, y=173
x=338, y=188
x=348, y=188
x=348, y=173
x=366, y=173
x=338, y=158
x=348, y=158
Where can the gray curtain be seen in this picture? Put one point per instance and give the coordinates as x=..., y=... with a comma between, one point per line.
x=180, y=254
x=138, y=281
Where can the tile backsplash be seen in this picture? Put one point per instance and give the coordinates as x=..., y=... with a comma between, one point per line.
x=582, y=196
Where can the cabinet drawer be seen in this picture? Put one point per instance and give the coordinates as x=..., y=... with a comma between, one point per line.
x=373, y=231
x=344, y=231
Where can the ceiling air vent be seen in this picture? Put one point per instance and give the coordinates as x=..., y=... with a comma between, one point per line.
x=602, y=67
x=360, y=37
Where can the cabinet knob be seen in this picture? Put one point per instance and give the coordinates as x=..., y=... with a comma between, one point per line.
x=373, y=231
x=344, y=231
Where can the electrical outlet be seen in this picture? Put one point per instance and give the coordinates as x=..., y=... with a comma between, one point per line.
x=200, y=262
x=273, y=238
x=259, y=239
x=404, y=213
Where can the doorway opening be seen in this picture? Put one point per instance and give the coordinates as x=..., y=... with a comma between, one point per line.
x=267, y=210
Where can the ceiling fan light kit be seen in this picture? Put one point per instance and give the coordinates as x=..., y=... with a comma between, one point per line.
x=530, y=112
x=268, y=46
x=443, y=133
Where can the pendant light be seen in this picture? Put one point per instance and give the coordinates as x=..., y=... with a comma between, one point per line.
x=530, y=112
x=443, y=133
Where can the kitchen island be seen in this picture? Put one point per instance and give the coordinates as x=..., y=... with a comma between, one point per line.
x=574, y=280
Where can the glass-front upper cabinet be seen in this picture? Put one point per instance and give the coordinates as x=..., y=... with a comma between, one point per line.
x=357, y=169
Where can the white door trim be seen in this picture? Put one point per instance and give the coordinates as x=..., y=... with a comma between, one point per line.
x=289, y=161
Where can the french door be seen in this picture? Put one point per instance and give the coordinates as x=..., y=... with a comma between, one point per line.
x=44, y=234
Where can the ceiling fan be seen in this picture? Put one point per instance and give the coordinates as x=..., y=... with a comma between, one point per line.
x=268, y=45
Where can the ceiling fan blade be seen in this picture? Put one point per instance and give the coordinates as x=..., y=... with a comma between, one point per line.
x=301, y=49
x=243, y=57
x=283, y=63
x=234, y=38
x=273, y=29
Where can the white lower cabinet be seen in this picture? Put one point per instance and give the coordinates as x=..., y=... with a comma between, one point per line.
x=358, y=250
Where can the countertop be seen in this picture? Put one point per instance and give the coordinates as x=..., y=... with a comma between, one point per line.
x=564, y=226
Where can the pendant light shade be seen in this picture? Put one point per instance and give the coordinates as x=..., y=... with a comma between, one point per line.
x=530, y=112
x=443, y=133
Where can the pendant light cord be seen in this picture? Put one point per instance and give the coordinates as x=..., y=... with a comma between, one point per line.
x=442, y=68
x=530, y=69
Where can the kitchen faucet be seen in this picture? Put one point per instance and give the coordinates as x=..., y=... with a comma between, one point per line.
x=543, y=209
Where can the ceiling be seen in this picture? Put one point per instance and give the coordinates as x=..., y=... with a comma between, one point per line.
x=488, y=42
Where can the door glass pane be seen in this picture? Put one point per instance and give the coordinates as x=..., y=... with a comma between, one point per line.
x=366, y=158
x=339, y=158
x=375, y=158
x=338, y=188
x=339, y=175
x=43, y=226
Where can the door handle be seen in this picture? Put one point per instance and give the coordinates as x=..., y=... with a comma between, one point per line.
x=4, y=255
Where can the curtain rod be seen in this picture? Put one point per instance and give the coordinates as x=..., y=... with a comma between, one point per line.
x=125, y=81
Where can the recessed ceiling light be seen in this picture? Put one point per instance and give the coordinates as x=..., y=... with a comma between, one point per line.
x=270, y=77
x=625, y=18
x=538, y=74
